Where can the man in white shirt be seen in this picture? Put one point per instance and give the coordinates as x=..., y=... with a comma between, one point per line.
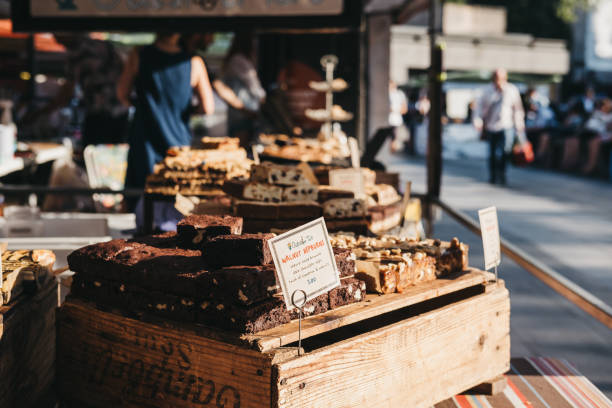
x=499, y=114
x=398, y=108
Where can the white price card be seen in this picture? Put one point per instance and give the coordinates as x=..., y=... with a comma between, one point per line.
x=304, y=261
x=348, y=179
x=489, y=228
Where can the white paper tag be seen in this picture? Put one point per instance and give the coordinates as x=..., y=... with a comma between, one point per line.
x=489, y=228
x=304, y=260
x=355, y=155
x=255, y=150
x=348, y=179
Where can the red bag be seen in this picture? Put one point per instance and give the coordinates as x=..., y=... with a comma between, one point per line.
x=522, y=154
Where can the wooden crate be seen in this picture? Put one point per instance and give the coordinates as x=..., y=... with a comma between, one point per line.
x=27, y=349
x=401, y=350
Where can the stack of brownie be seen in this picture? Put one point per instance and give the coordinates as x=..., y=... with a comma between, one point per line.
x=304, y=149
x=208, y=272
x=199, y=172
x=391, y=264
x=275, y=197
x=280, y=198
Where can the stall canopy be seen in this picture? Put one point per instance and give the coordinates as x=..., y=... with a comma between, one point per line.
x=219, y=15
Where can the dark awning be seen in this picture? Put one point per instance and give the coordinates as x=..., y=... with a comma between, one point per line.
x=183, y=15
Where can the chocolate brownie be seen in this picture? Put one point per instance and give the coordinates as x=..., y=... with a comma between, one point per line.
x=345, y=261
x=256, y=210
x=327, y=193
x=303, y=210
x=308, y=210
x=243, y=285
x=351, y=290
x=234, y=250
x=195, y=229
x=315, y=306
x=136, y=263
x=134, y=300
x=257, y=317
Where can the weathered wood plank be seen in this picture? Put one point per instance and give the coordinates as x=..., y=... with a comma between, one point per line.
x=110, y=360
x=414, y=363
x=374, y=305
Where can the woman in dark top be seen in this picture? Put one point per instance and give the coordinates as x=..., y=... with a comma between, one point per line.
x=164, y=77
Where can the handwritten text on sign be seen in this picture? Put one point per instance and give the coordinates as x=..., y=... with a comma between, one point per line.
x=304, y=260
x=489, y=228
x=183, y=8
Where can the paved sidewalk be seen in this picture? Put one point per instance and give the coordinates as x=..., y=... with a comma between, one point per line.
x=564, y=220
x=571, y=234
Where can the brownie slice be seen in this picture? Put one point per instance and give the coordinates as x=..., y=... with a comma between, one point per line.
x=258, y=317
x=257, y=210
x=327, y=193
x=345, y=261
x=302, y=210
x=307, y=210
x=195, y=229
x=243, y=285
x=351, y=290
x=234, y=250
x=136, y=263
x=315, y=306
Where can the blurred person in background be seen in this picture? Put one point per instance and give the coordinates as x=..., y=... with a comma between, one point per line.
x=94, y=66
x=164, y=77
x=598, y=136
x=240, y=74
x=587, y=101
x=398, y=108
x=540, y=121
x=499, y=115
x=195, y=43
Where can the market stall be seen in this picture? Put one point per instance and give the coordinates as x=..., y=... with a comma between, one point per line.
x=213, y=314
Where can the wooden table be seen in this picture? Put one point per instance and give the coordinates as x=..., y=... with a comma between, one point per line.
x=538, y=382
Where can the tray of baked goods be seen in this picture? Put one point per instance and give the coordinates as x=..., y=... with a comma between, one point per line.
x=293, y=150
x=278, y=198
x=194, y=316
x=199, y=171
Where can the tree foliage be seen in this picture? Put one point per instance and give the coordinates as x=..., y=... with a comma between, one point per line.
x=541, y=18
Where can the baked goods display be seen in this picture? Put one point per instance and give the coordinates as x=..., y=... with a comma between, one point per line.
x=199, y=172
x=282, y=197
x=391, y=264
x=226, y=279
x=304, y=149
x=24, y=270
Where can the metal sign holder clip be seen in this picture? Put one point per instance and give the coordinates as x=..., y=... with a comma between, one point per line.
x=299, y=304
